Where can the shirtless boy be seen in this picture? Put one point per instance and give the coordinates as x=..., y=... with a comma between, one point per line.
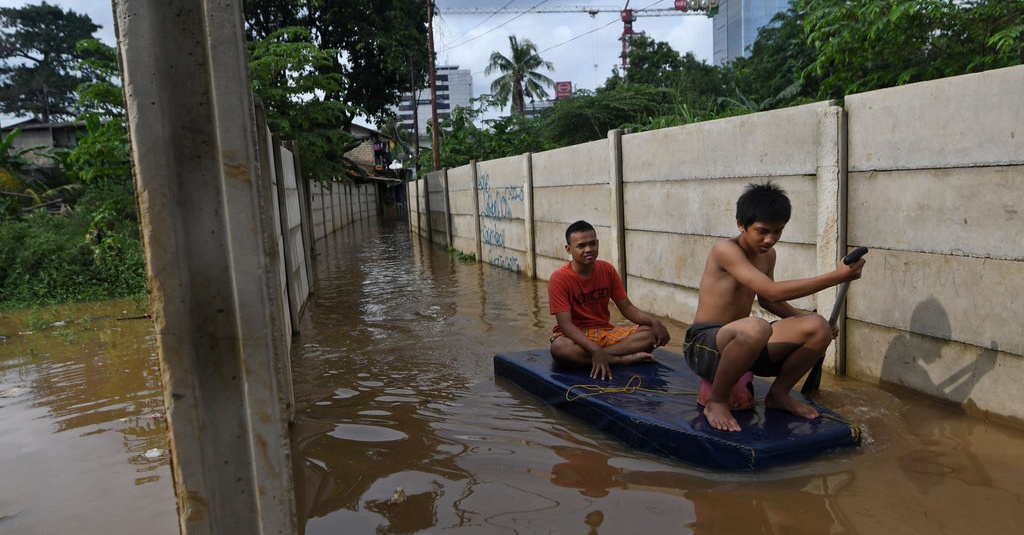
x=725, y=341
x=578, y=296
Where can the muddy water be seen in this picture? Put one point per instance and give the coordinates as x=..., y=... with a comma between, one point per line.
x=83, y=443
x=402, y=427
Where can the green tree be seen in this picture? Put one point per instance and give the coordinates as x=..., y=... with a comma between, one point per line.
x=656, y=64
x=519, y=78
x=462, y=141
x=379, y=46
x=588, y=117
x=102, y=154
x=288, y=74
x=775, y=74
x=38, y=60
x=868, y=44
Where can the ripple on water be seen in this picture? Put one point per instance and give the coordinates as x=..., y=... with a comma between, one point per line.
x=345, y=393
x=366, y=433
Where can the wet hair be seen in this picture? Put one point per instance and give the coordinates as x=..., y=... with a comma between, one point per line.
x=766, y=203
x=579, y=226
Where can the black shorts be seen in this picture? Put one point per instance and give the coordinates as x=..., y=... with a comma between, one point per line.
x=701, y=352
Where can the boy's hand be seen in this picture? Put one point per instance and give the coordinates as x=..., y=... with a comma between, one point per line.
x=660, y=333
x=850, y=272
x=600, y=369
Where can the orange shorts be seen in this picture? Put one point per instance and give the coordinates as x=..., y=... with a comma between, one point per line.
x=604, y=336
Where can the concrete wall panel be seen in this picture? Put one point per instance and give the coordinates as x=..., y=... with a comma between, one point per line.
x=774, y=143
x=966, y=211
x=963, y=121
x=708, y=207
x=566, y=204
x=983, y=380
x=586, y=163
x=970, y=300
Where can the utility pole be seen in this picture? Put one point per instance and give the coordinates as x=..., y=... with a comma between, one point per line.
x=414, y=96
x=433, y=86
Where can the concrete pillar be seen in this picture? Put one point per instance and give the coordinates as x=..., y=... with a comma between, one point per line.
x=531, y=242
x=447, y=209
x=426, y=207
x=479, y=252
x=205, y=223
x=831, y=217
x=617, y=252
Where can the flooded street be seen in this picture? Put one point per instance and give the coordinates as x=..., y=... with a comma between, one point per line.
x=403, y=428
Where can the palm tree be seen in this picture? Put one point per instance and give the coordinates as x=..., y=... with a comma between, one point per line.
x=519, y=78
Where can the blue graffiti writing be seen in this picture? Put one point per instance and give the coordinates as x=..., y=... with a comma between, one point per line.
x=507, y=262
x=498, y=203
x=492, y=236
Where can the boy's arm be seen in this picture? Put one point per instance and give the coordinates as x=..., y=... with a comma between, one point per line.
x=639, y=317
x=781, y=309
x=731, y=258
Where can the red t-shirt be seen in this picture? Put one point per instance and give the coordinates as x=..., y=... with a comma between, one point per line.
x=586, y=300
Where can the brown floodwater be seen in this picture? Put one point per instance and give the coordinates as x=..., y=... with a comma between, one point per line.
x=403, y=428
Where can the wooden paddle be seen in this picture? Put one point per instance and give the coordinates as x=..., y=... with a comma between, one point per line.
x=814, y=376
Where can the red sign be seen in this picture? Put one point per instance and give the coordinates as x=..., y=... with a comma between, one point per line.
x=563, y=89
x=681, y=5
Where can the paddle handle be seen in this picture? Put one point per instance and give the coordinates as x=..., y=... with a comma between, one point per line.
x=813, y=379
x=854, y=256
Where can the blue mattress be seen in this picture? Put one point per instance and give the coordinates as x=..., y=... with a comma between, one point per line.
x=653, y=407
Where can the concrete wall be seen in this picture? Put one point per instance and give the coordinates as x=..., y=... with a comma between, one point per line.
x=337, y=205
x=936, y=189
x=928, y=176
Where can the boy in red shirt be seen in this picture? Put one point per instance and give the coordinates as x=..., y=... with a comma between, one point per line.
x=578, y=296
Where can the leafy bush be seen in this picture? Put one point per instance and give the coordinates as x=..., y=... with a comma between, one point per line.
x=90, y=254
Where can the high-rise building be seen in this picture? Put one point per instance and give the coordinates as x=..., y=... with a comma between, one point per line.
x=737, y=23
x=454, y=88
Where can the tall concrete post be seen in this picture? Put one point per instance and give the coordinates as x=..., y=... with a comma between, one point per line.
x=528, y=217
x=831, y=217
x=477, y=238
x=212, y=271
x=617, y=252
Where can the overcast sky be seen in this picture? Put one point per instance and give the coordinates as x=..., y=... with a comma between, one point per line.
x=582, y=49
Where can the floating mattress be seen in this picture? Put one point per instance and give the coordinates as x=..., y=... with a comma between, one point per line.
x=653, y=407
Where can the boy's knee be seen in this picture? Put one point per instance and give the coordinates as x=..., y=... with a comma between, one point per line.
x=819, y=325
x=757, y=330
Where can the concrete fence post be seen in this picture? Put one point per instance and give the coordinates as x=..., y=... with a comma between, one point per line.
x=477, y=238
x=447, y=208
x=617, y=252
x=204, y=218
x=831, y=217
x=427, y=208
x=528, y=217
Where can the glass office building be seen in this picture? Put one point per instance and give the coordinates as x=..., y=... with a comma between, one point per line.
x=737, y=23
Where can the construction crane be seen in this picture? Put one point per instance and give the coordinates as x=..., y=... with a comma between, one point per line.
x=682, y=7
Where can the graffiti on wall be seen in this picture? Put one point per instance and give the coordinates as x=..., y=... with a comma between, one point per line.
x=499, y=204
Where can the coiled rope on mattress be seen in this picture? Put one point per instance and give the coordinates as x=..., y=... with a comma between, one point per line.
x=633, y=386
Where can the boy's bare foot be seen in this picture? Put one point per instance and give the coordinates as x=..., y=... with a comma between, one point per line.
x=635, y=358
x=790, y=404
x=719, y=416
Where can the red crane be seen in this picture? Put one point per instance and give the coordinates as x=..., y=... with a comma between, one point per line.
x=628, y=16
